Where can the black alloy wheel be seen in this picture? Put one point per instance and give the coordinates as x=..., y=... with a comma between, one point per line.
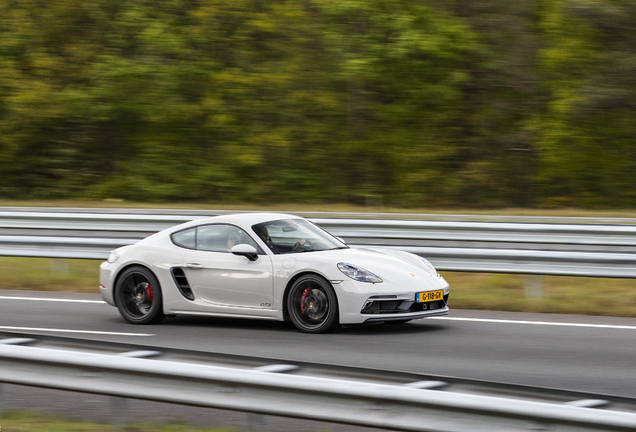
x=312, y=305
x=138, y=296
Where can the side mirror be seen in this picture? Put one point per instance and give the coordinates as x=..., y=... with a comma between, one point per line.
x=245, y=250
x=342, y=240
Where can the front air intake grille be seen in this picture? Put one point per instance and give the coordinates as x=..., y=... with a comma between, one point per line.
x=374, y=306
x=182, y=283
x=387, y=307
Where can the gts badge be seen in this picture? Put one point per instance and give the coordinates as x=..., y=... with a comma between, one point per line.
x=266, y=305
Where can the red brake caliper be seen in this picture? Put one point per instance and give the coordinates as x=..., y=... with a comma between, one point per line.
x=302, y=301
x=149, y=292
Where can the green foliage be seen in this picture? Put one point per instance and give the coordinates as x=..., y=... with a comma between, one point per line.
x=586, y=131
x=401, y=102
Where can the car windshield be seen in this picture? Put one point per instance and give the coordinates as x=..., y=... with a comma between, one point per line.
x=295, y=235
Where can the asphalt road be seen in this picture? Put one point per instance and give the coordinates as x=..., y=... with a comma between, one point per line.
x=593, y=354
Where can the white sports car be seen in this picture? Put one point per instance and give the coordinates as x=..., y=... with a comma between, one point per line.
x=268, y=266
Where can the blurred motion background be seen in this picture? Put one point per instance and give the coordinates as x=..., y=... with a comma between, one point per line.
x=412, y=103
x=436, y=104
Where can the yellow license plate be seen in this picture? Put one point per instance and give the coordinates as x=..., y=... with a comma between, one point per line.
x=428, y=296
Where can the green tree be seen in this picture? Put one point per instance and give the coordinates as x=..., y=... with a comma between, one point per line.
x=402, y=69
x=587, y=132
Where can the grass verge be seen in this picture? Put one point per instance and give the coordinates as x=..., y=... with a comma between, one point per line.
x=561, y=294
x=20, y=421
x=46, y=274
x=504, y=292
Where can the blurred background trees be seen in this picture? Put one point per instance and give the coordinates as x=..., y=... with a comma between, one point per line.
x=380, y=102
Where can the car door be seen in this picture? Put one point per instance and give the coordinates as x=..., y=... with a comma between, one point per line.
x=219, y=277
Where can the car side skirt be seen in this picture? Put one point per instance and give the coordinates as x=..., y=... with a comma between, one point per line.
x=226, y=315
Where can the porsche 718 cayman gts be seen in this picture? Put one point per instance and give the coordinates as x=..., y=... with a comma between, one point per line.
x=268, y=266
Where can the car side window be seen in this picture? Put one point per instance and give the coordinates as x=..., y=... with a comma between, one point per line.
x=221, y=238
x=186, y=238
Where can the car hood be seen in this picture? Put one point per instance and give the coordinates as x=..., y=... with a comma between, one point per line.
x=391, y=265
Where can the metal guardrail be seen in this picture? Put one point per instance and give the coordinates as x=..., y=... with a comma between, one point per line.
x=268, y=390
x=589, y=248
x=364, y=215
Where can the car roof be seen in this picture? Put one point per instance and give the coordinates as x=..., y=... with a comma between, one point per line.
x=249, y=218
x=244, y=220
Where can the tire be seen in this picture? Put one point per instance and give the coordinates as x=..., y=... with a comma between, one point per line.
x=397, y=322
x=138, y=296
x=312, y=305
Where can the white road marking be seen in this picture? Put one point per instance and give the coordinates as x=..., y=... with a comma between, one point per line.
x=547, y=323
x=486, y=320
x=75, y=331
x=50, y=299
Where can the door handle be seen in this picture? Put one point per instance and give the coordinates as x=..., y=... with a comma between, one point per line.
x=194, y=266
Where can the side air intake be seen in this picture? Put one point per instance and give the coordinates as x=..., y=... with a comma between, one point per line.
x=182, y=283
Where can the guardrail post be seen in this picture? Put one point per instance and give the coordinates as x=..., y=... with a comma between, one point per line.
x=2, y=400
x=257, y=422
x=534, y=286
x=60, y=266
x=119, y=411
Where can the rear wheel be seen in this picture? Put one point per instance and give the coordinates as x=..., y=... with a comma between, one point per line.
x=138, y=296
x=312, y=305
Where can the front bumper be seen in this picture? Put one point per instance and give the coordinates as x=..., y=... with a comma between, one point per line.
x=437, y=312
x=379, y=310
x=361, y=303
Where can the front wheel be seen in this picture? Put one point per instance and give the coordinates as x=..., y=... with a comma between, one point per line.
x=312, y=305
x=138, y=296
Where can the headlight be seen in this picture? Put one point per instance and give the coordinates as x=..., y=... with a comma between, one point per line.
x=114, y=256
x=358, y=273
x=429, y=266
